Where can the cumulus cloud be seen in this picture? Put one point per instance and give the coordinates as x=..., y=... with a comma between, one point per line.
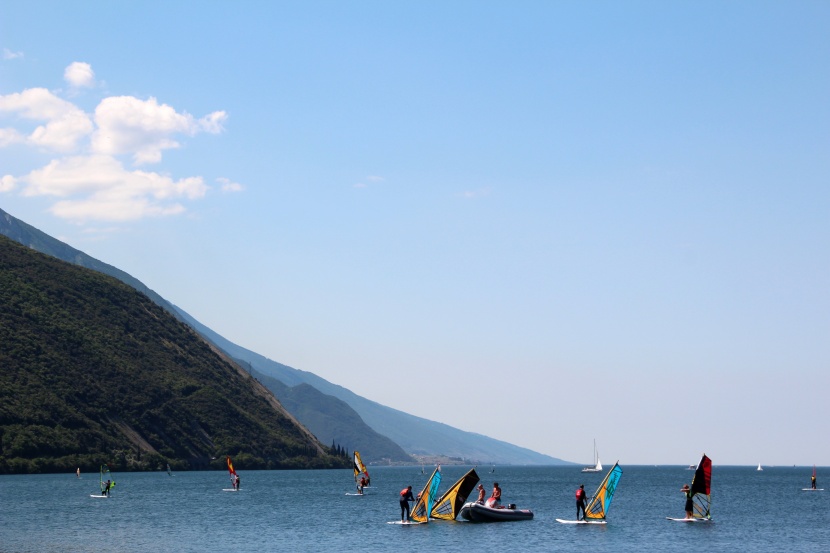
x=99, y=188
x=227, y=185
x=79, y=75
x=87, y=179
x=7, y=183
x=145, y=128
x=65, y=125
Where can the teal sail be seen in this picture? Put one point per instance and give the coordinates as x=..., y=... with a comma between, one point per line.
x=423, y=507
x=597, y=509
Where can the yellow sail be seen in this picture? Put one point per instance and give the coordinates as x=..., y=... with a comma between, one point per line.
x=423, y=505
x=359, y=467
x=449, y=505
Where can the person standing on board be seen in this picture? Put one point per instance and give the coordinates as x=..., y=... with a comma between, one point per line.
x=580, y=501
x=813, y=481
x=406, y=497
x=481, y=493
x=690, y=506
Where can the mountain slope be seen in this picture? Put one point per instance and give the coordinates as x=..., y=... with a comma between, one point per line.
x=93, y=371
x=415, y=435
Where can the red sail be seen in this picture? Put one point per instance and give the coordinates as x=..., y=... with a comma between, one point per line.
x=230, y=466
x=703, y=477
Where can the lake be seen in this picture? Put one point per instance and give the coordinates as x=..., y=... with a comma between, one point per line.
x=310, y=511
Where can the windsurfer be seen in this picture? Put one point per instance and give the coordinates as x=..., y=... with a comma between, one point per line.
x=689, y=502
x=107, y=486
x=813, y=481
x=406, y=497
x=481, y=494
x=580, y=501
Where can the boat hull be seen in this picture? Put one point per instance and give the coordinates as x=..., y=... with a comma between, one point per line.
x=477, y=512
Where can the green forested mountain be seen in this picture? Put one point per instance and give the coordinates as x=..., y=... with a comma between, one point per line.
x=329, y=418
x=93, y=371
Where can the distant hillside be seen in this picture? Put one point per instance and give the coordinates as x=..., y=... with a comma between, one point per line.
x=415, y=435
x=93, y=371
x=333, y=421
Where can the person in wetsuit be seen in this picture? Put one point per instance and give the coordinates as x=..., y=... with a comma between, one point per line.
x=406, y=497
x=813, y=481
x=580, y=501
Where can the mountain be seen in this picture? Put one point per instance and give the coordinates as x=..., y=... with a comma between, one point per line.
x=415, y=435
x=93, y=371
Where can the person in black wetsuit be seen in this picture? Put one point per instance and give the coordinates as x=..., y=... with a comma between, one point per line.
x=690, y=506
x=580, y=501
x=813, y=481
x=406, y=497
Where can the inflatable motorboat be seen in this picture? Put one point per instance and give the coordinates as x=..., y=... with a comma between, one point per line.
x=479, y=512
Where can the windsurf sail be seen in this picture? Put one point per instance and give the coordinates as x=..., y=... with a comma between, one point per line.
x=107, y=481
x=231, y=473
x=169, y=472
x=597, y=508
x=449, y=505
x=423, y=506
x=360, y=468
x=701, y=488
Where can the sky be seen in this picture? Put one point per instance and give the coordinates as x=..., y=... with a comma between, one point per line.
x=582, y=221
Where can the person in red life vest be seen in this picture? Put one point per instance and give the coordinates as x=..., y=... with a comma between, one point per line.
x=580, y=501
x=406, y=497
x=481, y=493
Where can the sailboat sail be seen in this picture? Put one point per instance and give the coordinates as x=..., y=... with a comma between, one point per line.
x=106, y=476
x=360, y=468
x=423, y=507
x=598, y=507
x=597, y=466
x=449, y=505
x=701, y=484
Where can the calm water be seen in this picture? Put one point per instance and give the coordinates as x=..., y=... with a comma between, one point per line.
x=309, y=511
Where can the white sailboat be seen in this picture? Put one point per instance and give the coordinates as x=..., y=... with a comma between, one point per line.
x=759, y=467
x=597, y=465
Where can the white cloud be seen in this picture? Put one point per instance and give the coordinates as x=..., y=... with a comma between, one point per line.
x=7, y=183
x=10, y=136
x=228, y=185
x=87, y=179
x=9, y=55
x=143, y=128
x=473, y=194
x=65, y=124
x=79, y=75
x=98, y=188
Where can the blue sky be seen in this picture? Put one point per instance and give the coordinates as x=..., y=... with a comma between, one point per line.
x=581, y=219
